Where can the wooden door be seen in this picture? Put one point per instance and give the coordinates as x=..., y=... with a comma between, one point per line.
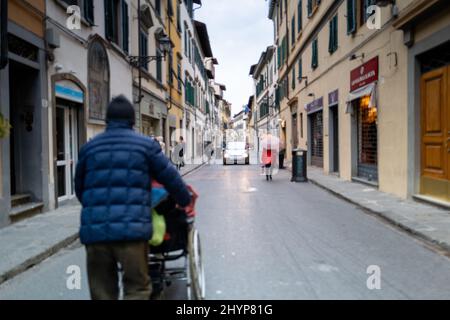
x=435, y=122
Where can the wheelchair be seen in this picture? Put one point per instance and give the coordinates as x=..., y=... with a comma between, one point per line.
x=179, y=257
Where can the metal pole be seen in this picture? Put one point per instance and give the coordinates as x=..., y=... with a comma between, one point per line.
x=139, y=65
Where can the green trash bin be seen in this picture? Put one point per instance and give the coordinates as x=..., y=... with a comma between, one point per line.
x=299, y=160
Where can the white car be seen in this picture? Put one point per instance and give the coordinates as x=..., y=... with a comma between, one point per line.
x=236, y=153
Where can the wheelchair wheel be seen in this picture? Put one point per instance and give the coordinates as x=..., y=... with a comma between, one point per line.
x=196, y=273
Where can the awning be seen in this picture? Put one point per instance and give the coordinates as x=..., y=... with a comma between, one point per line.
x=368, y=90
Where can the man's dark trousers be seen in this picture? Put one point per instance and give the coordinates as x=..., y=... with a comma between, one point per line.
x=102, y=269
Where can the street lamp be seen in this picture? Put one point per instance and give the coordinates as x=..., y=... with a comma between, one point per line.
x=166, y=46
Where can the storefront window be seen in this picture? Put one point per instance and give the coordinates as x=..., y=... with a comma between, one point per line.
x=367, y=140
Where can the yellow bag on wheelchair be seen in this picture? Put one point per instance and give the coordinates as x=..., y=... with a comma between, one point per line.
x=159, y=229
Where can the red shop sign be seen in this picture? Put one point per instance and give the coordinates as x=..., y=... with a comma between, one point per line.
x=364, y=75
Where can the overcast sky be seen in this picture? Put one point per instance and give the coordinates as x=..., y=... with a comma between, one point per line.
x=239, y=31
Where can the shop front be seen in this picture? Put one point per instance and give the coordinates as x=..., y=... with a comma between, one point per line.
x=153, y=111
x=69, y=134
x=314, y=111
x=362, y=105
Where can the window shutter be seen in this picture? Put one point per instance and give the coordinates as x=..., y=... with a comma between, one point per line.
x=336, y=32
x=159, y=67
x=109, y=25
x=333, y=40
x=293, y=78
x=293, y=31
x=299, y=15
x=331, y=37
x=89, y=11
x=300, y=69
x=125, y=27
x=351, y=16
x=310, y=7
x=278, y=57
x=314, y=60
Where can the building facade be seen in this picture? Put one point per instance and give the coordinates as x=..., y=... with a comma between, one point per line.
x=24, y=154
x=149, y=83
x=66, y=60
x=88, y=67
x=349, y=96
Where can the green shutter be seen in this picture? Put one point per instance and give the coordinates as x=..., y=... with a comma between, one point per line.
x=125, y=27
x=279, y=57
x=331, y=37
x=310, y=7
x=293, y=78
x=299, y=15
x=336, y=32
x=333, y=40
x=315, y=54
x=293, y=30
x=109, y=14
x=89, y=11
x=351, y=16
x=300, y=69
x=159, y=67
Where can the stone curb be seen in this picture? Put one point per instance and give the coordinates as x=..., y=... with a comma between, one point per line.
x=38, y=258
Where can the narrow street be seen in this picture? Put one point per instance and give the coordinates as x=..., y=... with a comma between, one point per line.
x=276, y=240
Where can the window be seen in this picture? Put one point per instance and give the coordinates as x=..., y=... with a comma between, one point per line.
x=179, y=74
x=293, y=78
x=117, y=22
x=158, y=7
x=143, y=39
x=125, y=27
x=283, y=52
x=300, y=70
x=190, y=7
x=351, y=16
x=315, y=54
x=312, y=6
x=299, y=16
x=159, y=65
x=365, y=4
x=86, y=6
x=178, y=17
x=333, y=41
x=189, y=92
x=170, y=68
x=293, y=31
x=279, y=57
x=185, y=39
x=280, y=12
x=301, y=125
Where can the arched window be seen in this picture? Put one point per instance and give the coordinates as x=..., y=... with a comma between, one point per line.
x=99, y=78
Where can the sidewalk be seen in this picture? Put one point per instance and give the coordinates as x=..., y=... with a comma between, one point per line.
x=430, y=223
x=28, y=242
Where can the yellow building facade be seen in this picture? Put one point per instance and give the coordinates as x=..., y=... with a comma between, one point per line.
x=174, y=62
x=353, y=90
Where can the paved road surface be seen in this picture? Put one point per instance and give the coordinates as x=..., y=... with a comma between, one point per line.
x=278, y=240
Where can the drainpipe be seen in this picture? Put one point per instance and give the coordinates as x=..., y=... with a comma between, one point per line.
x=139, y=99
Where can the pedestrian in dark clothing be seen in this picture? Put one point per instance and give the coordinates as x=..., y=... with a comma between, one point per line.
x=113, y=183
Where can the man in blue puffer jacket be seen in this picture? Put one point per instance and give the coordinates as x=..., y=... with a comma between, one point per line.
x=113, y=183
